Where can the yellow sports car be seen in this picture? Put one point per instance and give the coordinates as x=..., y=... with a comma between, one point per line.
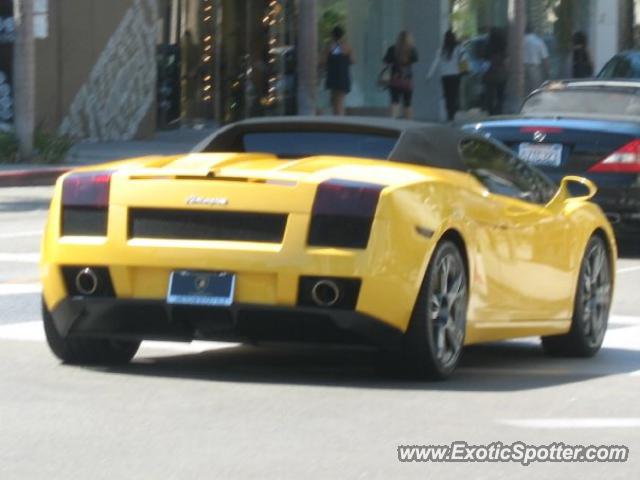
x=417, y=239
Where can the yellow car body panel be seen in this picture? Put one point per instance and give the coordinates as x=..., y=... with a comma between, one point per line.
x=523, y=258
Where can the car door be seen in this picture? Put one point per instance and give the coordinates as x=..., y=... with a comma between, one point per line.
x=534, y=268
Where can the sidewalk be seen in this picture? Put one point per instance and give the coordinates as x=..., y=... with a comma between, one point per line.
x=164, y=143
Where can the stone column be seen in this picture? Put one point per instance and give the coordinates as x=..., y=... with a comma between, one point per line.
x=24, y=77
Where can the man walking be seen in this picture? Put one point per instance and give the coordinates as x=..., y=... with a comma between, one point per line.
x=536, y=60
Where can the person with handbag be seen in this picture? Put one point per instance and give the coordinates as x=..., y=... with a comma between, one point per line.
x=399, y=61
x=451, y=62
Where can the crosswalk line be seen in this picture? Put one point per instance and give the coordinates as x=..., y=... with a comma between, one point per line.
x=19, y=288
x=572, y=423
x=20, y=257
x=33, y=233
x=34, y=332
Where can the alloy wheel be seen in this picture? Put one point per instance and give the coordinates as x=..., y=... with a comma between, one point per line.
x=447, y=309
x=596, y=294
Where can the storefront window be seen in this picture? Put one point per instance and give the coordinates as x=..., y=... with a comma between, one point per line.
x=235, y=58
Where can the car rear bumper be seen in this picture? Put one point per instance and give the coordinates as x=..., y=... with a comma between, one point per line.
x=156, y=320
x=622, y=208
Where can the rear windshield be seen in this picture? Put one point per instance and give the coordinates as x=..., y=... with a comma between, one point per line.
x=609, y=102
x=623, y=66
x=305, y=144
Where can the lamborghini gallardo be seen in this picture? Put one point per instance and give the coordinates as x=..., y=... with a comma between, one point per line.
x=411, y=238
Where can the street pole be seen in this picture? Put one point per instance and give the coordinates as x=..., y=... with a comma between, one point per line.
x=307, y=57
x=517, y=24
x=24, y=77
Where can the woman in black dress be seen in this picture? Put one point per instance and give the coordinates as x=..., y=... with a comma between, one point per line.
x=400, y=59
x=338, y=57
x=581, y=58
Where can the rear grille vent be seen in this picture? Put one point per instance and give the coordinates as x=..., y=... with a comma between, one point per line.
x=89, y=221
x=200, y=225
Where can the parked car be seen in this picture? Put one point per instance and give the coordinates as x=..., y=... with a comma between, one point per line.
x=417, y=239
x=622, y=65
x=582, y=127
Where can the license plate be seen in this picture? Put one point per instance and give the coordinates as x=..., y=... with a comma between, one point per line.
x=546, y=155
x=201, y=288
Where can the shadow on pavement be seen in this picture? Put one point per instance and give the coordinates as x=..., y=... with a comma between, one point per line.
x=509, y=366
x=629, y=248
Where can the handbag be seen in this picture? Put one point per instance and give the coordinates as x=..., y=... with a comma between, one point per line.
x=384, y=77
x=400, y=81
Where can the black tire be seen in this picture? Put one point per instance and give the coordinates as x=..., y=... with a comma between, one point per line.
x=434, y=341
x=86, y=351
x=591, y=306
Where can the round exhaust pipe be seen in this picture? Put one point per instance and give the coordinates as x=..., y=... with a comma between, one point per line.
x=325, y=293
x=87, y=282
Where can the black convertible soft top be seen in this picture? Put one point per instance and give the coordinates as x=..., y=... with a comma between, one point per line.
x=418, y=143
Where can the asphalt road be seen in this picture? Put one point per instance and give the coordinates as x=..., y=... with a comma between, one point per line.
x=224, y=411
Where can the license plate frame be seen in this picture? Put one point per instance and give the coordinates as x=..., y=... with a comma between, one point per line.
x=541, y=154
x=196, y=288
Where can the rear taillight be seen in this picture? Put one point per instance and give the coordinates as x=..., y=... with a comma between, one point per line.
x=85, y=203
x=624, y=160
x=343, y=213
x=86, y=189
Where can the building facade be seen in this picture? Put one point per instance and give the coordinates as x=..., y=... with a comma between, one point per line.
x=124, y=68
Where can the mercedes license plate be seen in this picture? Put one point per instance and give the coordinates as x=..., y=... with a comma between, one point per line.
x=542, y=154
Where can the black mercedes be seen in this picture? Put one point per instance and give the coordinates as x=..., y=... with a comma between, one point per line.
x=589, y=128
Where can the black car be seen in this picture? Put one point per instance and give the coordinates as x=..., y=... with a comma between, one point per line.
x=589, y=128
x=622, y=65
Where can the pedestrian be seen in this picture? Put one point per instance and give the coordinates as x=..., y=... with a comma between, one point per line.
x=536, y=60
x=581, y=58
x=495, y=77
x=451, y=62
x=337, y=59
x=399, y=59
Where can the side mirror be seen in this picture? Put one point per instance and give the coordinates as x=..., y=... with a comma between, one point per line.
x=565, y=191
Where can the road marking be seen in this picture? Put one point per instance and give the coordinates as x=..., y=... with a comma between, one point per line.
x=627, y=338
x=625, y=320
x=19, y=288
x=628, y=269
x=33, y=332
x=149, y=347
x=26, y=331
x=21, y=234
x=20, y=257
x=572, y=423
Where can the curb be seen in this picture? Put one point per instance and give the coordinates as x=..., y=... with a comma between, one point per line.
x=31, y=177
